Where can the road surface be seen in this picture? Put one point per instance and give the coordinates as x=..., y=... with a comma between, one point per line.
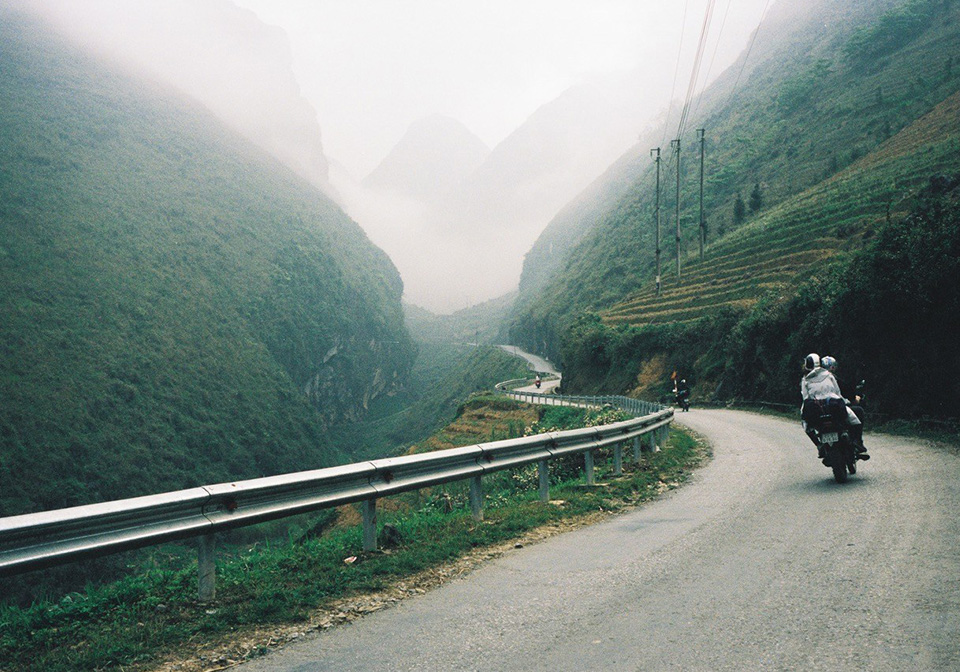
x=538, y=364
x=762, y=562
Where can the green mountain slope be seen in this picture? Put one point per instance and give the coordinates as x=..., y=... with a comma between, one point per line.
x=843, y=113
x=811, y=101
x=176, y=307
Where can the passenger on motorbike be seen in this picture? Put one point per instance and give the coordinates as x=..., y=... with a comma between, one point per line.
x=854, y=410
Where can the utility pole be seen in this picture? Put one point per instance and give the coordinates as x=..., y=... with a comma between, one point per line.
x=656, y=209
x=701, y=133
x=676, y=145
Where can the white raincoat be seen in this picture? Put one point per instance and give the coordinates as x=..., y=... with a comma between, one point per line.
x=820, y=384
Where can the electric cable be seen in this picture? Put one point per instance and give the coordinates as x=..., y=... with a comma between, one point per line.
x=713, y=58
x=695, y=72
x=746, y=58
x=676, y=72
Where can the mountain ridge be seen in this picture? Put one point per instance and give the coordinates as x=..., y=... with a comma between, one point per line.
x=178, y=306
x=816, y=101
x=213, y=51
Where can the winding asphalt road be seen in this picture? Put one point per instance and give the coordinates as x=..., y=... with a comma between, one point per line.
x=761, y=562
x=538, y=364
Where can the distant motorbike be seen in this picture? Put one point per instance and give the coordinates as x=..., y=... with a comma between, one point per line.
x=537, y=382
x=683, y=399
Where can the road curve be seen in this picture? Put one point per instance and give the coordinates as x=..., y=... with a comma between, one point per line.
x=536, y=362
x=761, y=562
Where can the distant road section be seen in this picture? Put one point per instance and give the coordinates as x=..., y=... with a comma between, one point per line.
x=538, y=364
x=762, y=562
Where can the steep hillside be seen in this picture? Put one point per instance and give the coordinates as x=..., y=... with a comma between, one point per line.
x=482, y=323
x=177, y=307
x=217, y=53
x=784, y=242
x=443, y=377
x=813, y=125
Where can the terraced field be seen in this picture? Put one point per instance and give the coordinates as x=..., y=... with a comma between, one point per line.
x=788, y=242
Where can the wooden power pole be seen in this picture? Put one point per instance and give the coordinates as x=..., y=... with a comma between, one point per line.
x=655, y=153
x=676, y=145
x=703, y=231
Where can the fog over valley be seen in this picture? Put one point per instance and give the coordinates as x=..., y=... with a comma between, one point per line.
x=452, y=132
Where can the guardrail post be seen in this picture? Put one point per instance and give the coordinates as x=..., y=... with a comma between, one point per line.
x=588, y=467
x=207, y=567
x=664, y=436
x=636, y=449
x=476, y=497
x=618, y=460
x=543, y=471
x=653, y=440
x=369, y=525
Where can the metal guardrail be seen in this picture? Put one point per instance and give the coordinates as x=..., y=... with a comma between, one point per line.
x=38, y=540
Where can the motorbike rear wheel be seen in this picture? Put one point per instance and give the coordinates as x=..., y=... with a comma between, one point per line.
x=838, y=464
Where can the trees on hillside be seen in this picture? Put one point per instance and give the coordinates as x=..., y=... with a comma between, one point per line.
x=890, y=315
x=756, y=199
x=739, y=210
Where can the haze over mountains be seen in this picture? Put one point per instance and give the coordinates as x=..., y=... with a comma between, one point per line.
x=477, y=219
x=213, y=51
x=432, y=159
x=456, y=218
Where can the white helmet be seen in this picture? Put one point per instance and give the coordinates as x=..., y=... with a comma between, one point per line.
x=811, y=362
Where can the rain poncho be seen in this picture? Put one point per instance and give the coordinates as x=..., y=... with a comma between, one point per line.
x=820, y=384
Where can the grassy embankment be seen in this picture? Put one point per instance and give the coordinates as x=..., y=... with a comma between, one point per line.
x=153, y=616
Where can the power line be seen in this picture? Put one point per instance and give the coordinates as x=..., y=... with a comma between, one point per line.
x=746, y=58
x=676, y=72
x=697, y=61
x=656, y=215
x=713, y=58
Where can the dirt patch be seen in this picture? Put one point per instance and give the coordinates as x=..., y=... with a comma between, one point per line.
x=650, y=379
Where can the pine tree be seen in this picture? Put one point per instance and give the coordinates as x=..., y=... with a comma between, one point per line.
x=756, y=199
x=739, y=210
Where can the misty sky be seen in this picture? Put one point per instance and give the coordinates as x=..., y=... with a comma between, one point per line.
x=312, y=80
x=372, y=67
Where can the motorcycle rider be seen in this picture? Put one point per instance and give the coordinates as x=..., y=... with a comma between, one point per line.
x=819, y=384
x=682, y=392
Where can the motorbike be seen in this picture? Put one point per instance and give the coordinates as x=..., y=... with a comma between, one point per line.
x=683, y=399
x=834, y=444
